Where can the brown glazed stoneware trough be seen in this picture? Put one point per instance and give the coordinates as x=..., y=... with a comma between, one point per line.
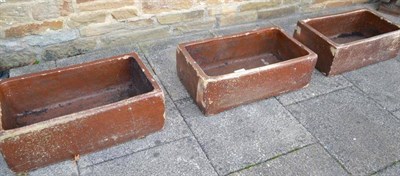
x=349, y=40
x=225, y=72
x=50, y=116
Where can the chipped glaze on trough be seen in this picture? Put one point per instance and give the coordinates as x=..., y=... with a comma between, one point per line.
x=76, y=110
x=225, y=72
x=350, y=40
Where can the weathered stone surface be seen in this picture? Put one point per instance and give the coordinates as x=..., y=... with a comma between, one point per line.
x=277, y=12
x=64, y=168
x=222, y=9
x=11, y=46
x=379, y=82
x=69, y=49
x=311, y=160
x=45, y=10
x=32, y=68
x=245, y=135
x=135, y=36
x=139, y=23
x=33, y=28
x=390, y=171
x=319, y=85
x=157, y=6
x=116, y=28
x=258, y=5
x=332, y=4
x=362, y=136
x=101, y=5
x=237, y=18
x=164, y=61
x=100, y=29
x=11, y=14
x=175, y=128
x=86, y=18
x=205, y=24
x=123, y=14
x=65, y=7
x=180, y=17
x=235, y=29
x=51, y=37
x=82, y=1
x=16, y=59
x=182, y=157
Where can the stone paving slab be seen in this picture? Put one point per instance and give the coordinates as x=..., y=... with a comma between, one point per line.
x=245, y=135
x=174, y=128
x=288, y=23
x=312, y=161
x=319, y=85
x=69, y=168
x=362, y=136
x=379, y=81
x=397, y=114
x=161, y=55
x=390, y=171
x=4, y=170
x=182, y=157
x=62, y=168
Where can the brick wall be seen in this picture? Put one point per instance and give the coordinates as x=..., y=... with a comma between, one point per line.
x=39, y=30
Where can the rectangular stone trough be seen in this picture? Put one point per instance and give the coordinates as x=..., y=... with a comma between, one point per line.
x=225, y=72
x=350, y=40
x=55, y=115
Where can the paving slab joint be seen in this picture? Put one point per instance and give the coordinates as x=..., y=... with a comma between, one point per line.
x=272, y=158
x=319, y=142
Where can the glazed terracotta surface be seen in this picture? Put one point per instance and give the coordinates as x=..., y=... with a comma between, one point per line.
x=225, y=72
x=57, y=114
x=350, y=40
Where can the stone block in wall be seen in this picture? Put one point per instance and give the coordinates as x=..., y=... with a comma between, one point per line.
x=276, y=12
x=11, y=14
x=102, y=5
x=237, y=18
x=104, y=28
x=69, y=49
x=222, y=9
x=180, y=17
x=83, y=19
x=333, y=4
x=45, y=10
x=83, y=1
x=100, y=29
x=157, y=6
x=65, y=7
x=134, y=36
x=51, y=38
x=16, y=59
x=125, y=13
x=140, y=23
x=33, y=28
x=203, y=24
x=258, y=5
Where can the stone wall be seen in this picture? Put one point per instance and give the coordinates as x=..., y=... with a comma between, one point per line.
x=33, y=31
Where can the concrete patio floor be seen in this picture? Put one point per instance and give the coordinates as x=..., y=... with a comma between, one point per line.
x=343, y=125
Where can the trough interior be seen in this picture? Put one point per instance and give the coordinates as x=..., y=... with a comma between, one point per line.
x=49, y=95
x=351, y=27
x=243, y=52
